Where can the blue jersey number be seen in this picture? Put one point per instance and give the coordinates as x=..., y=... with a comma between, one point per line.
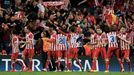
x=62, y=40
x=112, y=38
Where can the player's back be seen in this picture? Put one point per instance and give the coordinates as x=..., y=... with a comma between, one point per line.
x=61, y=42
x=73, y=40
x=112, y=39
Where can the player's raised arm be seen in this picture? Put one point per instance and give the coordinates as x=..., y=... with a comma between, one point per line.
x=61, y=31
x=51, y=40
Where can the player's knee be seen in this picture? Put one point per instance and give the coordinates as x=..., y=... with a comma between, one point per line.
x=65, y=58
x=94, y=58
x=12, y=60
x=59, y=58
x=127, y=59
x=106, y=59
x=69, y=60
x=48, y=60
x=15, y=60
x=30, y=59
x=122, y=60
x=23, y=57
x=119, y=59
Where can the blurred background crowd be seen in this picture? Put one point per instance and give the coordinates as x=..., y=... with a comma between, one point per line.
x=65, y=14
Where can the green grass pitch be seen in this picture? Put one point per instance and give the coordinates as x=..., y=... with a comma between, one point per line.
x=65, y=73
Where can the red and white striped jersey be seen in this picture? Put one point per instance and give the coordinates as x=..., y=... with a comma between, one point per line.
x=123, y=44
x=73, y=40
x=93, y=39
x=101, y=39
x=15, y=44
x=112, y=39
x=53, y=44
x=30, y=38
x=132, y=37
x=61, y=42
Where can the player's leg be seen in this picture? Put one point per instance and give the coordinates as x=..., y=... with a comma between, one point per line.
x=30, y=64
x=95, y=56
x=69, y=65
x=44, y=60
x=30, y=56
x=64, y=54
x=55, y=56
x=19, y=62
x=69, y=60
x=76, y=58
x=81, y=51
x=58, y=60
x=126, y=56
x=13, y=65
x=24, y=54
x=54, y=61
x=103, y=54
x=118, y=55
x=108, y=56
x=66, y=68
x=92, y=55
x=47, y=61
x=13, y=58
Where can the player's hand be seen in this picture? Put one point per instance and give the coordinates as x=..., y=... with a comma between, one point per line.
x=129, y=43
x=78, y=4
x=56, y=23
x=57, y=28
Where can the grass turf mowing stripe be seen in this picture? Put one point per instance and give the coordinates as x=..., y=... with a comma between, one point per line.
x=65, y=73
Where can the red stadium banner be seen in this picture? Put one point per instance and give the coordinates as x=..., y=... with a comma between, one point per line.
x=53, y=3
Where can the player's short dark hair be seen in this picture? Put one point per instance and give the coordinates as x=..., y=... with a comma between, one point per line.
x=72, y=29
x=44, y=33
x=14, y=32
x=113, y=28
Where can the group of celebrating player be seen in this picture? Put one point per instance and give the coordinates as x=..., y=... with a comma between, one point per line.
x=66, y=45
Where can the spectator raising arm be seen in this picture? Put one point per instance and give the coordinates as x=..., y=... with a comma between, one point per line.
x=83, y=1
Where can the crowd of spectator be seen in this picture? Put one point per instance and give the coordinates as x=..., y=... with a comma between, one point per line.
x=16, y=14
